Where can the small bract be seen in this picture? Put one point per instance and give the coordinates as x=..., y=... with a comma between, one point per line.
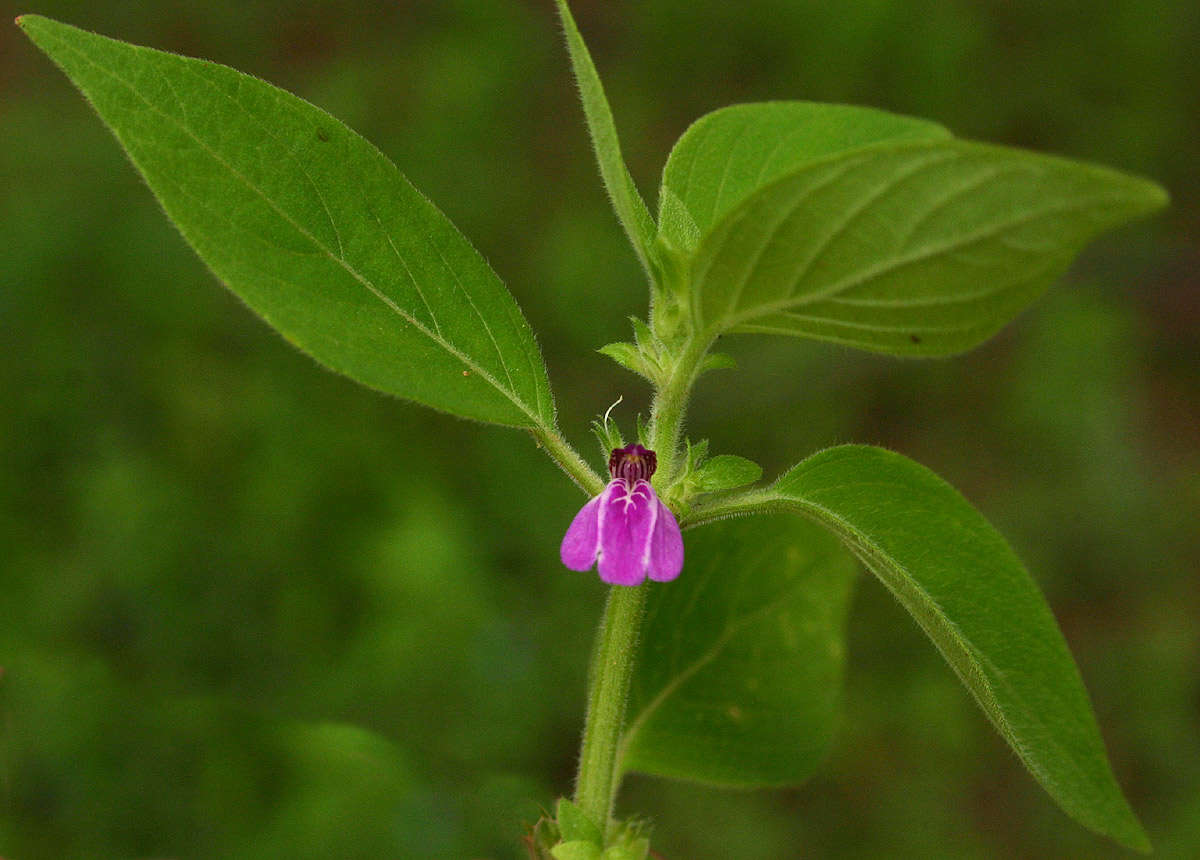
x=626, y=530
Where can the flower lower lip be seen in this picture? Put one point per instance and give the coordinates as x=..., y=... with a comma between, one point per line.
x=626, y=531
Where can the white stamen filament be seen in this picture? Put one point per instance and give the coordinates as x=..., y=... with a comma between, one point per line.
x=608, y=411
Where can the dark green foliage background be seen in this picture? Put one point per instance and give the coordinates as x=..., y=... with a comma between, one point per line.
x=248, y=609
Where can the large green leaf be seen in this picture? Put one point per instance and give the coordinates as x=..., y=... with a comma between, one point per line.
x=740, y=673
x=731, y=152
x=966, y=588
x=314, y=228
x=922, y=247
x=626, y=200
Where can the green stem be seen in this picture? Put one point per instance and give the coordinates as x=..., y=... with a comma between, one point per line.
x=670, y=404
x=613, y=660
x=615, y=652
x=758, y=501
x=568, y=459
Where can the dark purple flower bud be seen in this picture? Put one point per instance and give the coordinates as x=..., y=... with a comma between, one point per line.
x=632, y=463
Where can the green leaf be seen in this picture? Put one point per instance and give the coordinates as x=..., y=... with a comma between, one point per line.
x=542, y=839
x=965, y=587
x=628, y=356
x=643, y=336
x=643, y=436
x=639, y=849
x=630, y=841
x=576, y=850
x=314, y=228
x=740, y=675
x=574, y=824
x=696, y=454
x=726, y=155
x=626, y=200
x=727, y=472
x=924, y=247
x=608, y=434
x=718, y=361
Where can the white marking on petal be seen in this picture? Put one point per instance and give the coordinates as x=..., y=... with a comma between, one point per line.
x=605, y=498
x=654, y=503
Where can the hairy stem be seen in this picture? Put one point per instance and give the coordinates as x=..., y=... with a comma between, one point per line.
x=613, y=659
x=670, y=405
x=615, y=652
x=758, y=501
x=568, y=459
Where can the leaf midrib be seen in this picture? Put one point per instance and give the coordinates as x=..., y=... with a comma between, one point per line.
x=874, y=557
x=900, y=261
x=449, y=347
x=838, y=229
x=730, y=320
x=733, y=626
x=697, y=301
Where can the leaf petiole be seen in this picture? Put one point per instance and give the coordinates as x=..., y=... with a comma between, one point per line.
x=568, y=459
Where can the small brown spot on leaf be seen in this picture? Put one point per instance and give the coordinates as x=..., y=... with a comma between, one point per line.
x=466, y=373
x=915, y=338
x=322, y=136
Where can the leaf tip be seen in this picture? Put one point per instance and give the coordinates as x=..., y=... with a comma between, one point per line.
x=1134, y=837
x=565, y=18
x=27, y=18
x=27, y=21
x=1149, y=195
x=1158, y=198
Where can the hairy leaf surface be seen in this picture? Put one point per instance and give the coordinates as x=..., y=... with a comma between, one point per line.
x=626, y=199
x=314, y=228
x=922, y=247
x=726, y=155
x=740, y=673
x=974, y=599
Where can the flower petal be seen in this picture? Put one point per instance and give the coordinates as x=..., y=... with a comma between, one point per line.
x=627, y=518
x=582, y=540
x=666, y=546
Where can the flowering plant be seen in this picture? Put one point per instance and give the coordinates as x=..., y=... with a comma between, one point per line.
x=831, y=222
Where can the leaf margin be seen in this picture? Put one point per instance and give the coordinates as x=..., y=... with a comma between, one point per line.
x=1144, y=197
x=826, y=564
x=1128, y=831
x=541, y=413
x=628, y=203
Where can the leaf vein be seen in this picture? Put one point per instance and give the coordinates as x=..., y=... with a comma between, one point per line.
x=447, y=345
x=892, y=264
x=854, y=212
x=832, y=177
x=734, y=625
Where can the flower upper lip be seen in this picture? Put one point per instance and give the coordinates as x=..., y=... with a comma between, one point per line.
x=632, y=463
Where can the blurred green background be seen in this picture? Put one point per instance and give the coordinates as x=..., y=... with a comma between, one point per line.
x=248, y=609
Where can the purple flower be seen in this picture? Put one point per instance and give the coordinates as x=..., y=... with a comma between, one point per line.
x=626, y=529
